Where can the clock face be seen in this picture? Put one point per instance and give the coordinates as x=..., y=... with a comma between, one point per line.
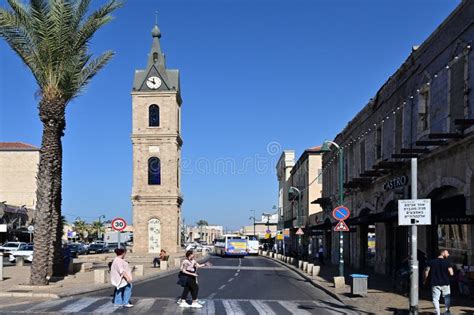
x=153, y=82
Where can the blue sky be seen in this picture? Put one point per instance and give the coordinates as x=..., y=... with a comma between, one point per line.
x=256, y=76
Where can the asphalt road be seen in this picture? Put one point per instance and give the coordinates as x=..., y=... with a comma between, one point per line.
x=251, y=285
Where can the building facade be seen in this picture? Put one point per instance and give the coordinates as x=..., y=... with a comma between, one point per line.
x=19, y=165
x=424, y=110
x=297, y=208
x=156, y=141
x=204, y=233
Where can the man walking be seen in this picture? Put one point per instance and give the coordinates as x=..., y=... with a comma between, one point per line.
x=439, y=270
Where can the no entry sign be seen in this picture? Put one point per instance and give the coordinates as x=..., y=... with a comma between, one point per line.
x=341, y=213
x=119, y=224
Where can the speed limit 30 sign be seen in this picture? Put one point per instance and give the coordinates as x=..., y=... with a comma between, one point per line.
x=119, y=224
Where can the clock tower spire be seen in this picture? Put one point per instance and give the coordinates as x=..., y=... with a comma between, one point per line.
x=156, y=142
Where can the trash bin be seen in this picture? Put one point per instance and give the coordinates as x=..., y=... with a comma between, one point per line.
x=359, y=284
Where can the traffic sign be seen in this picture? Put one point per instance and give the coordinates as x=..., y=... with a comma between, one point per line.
x=414, y=212
x=268, y=231
x=299, y=232
x=341, y=213
x=341, y=227
x=31, y=228
x=119, y=224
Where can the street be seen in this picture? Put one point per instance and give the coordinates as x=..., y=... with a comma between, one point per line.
x=252, y=285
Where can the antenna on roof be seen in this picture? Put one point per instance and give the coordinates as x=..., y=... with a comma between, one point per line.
x=156, y=17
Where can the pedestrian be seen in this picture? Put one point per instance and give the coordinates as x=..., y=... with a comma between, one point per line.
x=439, y=270
x=157, y=260
x=121, y=279
x=321, y=255
x=188, y=280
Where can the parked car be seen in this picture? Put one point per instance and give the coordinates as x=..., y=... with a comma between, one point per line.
x=77, y=249
x=111, y=247
x=96, y=248
x=10, y=247
x=25, y=251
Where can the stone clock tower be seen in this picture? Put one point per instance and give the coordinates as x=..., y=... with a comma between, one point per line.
x=156, y=140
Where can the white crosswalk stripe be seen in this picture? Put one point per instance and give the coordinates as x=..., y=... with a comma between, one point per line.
x=262, y=308
x=103, y=305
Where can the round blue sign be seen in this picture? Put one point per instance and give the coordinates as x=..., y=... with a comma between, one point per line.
x=341, y=213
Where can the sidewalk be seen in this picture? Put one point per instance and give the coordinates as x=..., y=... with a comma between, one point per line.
x=15, y=289
x=381, y=298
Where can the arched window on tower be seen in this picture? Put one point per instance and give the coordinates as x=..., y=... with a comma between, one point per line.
x=154, y=171
x=153, y=116
x=155, y=57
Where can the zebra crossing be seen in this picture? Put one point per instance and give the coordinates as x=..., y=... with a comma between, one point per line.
x=102, y=305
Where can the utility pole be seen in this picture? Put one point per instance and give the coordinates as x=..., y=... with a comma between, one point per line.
x=414, y=245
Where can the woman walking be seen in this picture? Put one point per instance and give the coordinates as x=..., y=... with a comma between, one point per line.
x=188, y=279
x=121, y=279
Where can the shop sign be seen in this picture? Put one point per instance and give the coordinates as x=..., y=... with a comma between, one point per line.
x=465, y=219
x=286, y=233
x=280, y=237
x=396, y=182
x=414, y=212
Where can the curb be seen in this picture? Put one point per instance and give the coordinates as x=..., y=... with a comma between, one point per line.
x=94, y=289
x=306, y=277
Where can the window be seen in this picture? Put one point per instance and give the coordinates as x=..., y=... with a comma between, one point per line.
x=155, y=57
x=362, y=156
x=378, y=143
x=423, y=101
x=154, y=171
x=154, y=116
x=457, y=90
x=399, y=131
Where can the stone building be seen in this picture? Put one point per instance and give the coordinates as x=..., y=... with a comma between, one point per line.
x=204, y=233
x=156, y=140
x=19, y=166
x=424, y=110
x=302, y=175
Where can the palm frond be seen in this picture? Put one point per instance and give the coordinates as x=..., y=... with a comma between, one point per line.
x=91, y=69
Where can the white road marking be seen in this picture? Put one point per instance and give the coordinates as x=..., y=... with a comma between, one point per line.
x=143, y=305
x=262, y=308
x=236, y=274
x=230, y=280
x=106, y=308
x=209, y=308
x=247, y=268
x=221, y=287
x=46, y=305
x=232, y=307
x=211, y=296
x=79, y=304
x=293, y=308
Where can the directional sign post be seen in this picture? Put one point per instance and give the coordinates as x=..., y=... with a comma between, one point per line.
x=119, y=224
x=341, y=227
x=299, y=232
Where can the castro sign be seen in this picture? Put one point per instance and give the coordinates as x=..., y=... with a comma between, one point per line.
x=396, y=182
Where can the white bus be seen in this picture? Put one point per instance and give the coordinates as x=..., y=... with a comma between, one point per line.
x=231, y=245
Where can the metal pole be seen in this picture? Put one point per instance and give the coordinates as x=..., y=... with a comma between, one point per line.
x=1, y=266
x=341, y=202
x=299, y=222
x=414, y=245
x=118, y=239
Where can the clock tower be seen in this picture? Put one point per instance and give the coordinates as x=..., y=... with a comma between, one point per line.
x=156, y=141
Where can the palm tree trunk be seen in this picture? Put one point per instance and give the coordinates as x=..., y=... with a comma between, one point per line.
x=48, y=195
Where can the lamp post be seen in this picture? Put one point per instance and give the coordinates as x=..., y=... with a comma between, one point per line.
x=326, y=148
x=253, y=217
x=294, y=190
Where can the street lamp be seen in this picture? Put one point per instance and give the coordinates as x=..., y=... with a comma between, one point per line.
x=253, y=217
x=326, y=148
x=293, y=191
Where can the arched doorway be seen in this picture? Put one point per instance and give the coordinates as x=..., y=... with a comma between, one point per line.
x=154, y=235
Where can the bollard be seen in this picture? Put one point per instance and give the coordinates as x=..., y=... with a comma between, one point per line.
x=316, y=270
x=309, y=269
x=300, y=264
x=19, y=261
x=139, y=271
x=70, y=267
x=291, y=260
x=100, y=276
x=1, y=266
x=305, y=264
x=163, y=265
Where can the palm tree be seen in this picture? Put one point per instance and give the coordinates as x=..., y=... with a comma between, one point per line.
x=97, y=227
x=81, y=228
x=52, y=39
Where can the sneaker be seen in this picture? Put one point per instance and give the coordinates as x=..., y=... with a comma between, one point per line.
x=201, y=302
x=178, y=301
x=184, y=304
x=196, y=305
x=118, y=305
x=128, y=305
